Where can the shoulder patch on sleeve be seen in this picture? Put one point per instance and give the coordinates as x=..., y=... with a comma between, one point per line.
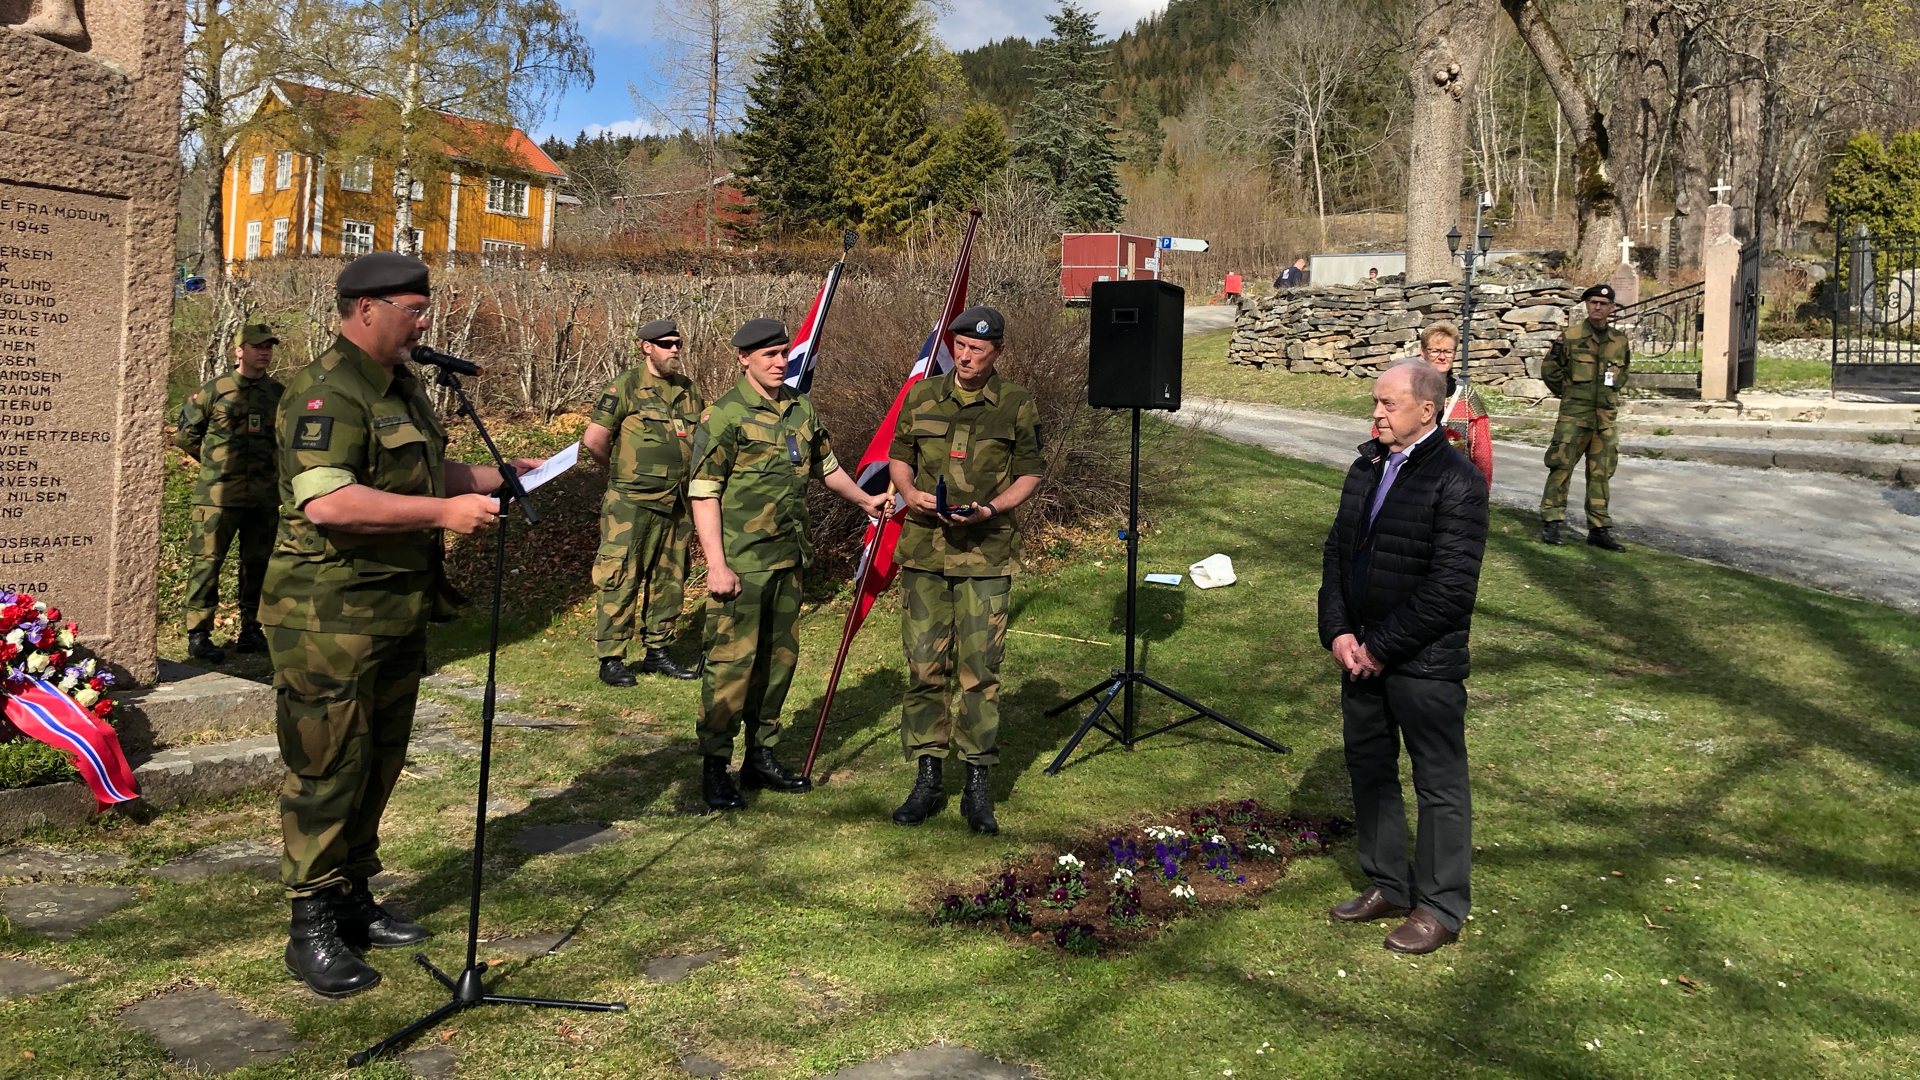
x=607, y=402
x=313, y=433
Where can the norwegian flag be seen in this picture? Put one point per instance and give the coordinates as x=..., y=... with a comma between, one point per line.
x=802, y=357
x=41, y=711
x=877, y=568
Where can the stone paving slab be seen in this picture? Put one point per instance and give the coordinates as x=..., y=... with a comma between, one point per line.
x=186, y=702
x=441, y=741
x=61, y=911
x=477, y=692
x=527, y=946
x=933, y=1063
x=230, y=857
x=703, y=1066
x=18, y=978
x=34, y=861
x=571, y=838
x=432, y=1063
x=208, y=1031
x=671, y=969
x=535, y=723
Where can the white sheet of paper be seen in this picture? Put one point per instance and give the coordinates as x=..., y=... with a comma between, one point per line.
x=557, y=464
x=1163, y=579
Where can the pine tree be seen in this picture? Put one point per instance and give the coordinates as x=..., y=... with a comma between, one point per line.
x=1066, y=132
x=874, y=74
x=970, y=152
x=783, y=159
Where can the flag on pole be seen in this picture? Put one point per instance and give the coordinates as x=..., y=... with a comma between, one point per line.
x=41, y=711
x=806, y=344
x=877, y=568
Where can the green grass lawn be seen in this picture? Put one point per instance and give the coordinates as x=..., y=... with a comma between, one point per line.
x=1695, y=819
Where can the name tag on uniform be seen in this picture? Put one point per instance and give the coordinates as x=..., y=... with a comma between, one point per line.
x=793, y=448
x=1609, y=379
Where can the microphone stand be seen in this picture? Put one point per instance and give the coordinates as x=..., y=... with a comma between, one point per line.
x=468, y=988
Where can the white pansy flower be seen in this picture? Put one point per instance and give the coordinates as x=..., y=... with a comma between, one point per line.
x=1069, y=862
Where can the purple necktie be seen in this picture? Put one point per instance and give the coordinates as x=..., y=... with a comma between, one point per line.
x=1394, y=461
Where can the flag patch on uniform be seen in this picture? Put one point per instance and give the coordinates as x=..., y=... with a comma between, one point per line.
x=315, y=404
x=313, y=433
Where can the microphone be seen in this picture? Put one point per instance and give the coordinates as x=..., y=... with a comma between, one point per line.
x=435, y=358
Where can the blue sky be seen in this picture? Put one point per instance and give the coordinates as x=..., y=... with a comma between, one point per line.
x=628, y=50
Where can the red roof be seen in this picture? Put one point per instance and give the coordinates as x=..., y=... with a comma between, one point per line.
x=520, y=150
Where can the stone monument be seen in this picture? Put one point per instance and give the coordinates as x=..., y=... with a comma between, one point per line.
x=1720, y=309
x=1626, y=277
x=89, y=175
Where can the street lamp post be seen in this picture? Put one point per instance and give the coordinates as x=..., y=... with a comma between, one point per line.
x=1476, y=250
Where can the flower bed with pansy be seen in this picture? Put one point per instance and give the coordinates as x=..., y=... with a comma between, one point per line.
x=35, y=642
x=1122, y=887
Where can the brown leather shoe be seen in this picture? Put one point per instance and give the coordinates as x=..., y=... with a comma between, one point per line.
x=1368, y=906
x=1420, y=934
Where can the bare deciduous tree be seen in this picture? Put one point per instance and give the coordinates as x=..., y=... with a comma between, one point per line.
x=1443, y=64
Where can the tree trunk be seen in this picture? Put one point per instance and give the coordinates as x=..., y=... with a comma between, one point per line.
x=1596, y=201
x=1746, y=107
x=409, y=131
x=1640, y=98
x=1445, y=64
x=210, y=125
x=713, y=120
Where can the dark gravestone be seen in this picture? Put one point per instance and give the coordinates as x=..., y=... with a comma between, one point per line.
x=230, y=857
x=32, y=861
x=672, y=969
x=569, y=839
x=61, y=911
x=933, y=1063
x=21, y=979
x=205, y=1030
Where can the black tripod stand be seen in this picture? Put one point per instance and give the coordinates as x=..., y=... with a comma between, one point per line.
x=468, y=990
x=1121, y=682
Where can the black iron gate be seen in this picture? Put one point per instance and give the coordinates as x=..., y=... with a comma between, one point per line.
x=1665, y=334
x=1876, y=322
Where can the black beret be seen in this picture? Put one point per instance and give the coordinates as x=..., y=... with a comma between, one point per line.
x=382, y=273
x=979, y=322
x=657, y=329
x=1604, y=292
x=760, y=334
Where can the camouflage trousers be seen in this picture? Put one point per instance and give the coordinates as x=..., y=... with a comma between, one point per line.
x=344, y=713
x=952, y=628
x=214, y=530
x=1598, y=440
x=640, y=569
x=753, y=645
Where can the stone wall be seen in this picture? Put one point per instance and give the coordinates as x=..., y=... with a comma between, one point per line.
x=1356, y=330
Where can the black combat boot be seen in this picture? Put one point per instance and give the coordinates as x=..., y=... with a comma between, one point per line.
x=1550, y=533
x=657, y=662
x=716, y=786
x=1602, y=537
x=761, y=770
x=613, y=672
x=316, y=955
x=928, y=796
x=200, y=646
x=364, y=924
x=976, y=802
x=252, y=639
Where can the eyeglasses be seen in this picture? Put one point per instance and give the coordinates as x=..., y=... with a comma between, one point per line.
x=416, y=314
x=1441, y=352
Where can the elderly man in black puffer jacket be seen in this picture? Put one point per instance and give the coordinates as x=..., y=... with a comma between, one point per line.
x=1398, y=577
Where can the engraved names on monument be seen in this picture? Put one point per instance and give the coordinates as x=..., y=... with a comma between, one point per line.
x=62, y=321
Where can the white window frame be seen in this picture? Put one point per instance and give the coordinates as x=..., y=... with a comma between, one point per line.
x=350, y=228
x=282, y=231
x=257, y=175
x=283, y=170
x=502, y=253
x=253, y=240
x=498, y=200
x=357, y=176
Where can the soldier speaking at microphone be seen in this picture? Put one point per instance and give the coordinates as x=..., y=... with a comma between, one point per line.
x=365, y=494
x=966, y=452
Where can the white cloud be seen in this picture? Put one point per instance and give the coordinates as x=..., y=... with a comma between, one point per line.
x=972, y=23
x=635, y=127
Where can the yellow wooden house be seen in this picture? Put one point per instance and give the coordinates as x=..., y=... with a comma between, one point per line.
x=496, y=199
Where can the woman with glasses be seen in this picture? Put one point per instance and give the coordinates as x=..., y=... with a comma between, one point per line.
x=1465, y=419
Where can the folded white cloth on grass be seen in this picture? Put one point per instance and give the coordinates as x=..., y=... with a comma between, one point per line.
x=1212, y=572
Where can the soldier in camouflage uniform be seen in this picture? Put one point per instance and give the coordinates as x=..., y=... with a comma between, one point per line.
x=642, y=430
x=365, y=492
x=226, y=426
x=1586, y=369
x=756, y=446
x=968, y=441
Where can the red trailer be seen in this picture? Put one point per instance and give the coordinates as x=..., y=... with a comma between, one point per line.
x=1089, y=257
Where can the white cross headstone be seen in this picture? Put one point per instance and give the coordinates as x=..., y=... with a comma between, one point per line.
x=1720, y=192
x=1626, y=249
